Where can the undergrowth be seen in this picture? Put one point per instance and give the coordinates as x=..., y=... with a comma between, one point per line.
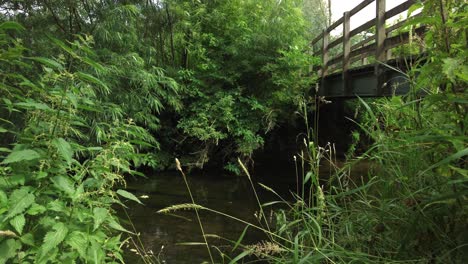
x=411, y=206
x=64, y=153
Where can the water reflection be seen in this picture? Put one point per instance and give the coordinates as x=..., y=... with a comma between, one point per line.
x=163, y=234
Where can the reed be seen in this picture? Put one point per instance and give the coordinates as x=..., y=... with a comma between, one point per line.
x=195, y=208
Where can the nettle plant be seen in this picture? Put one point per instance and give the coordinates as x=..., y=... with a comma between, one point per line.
x=56, y=182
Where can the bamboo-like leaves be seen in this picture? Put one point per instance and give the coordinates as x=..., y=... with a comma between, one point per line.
x=11, y=25
x=49, y=63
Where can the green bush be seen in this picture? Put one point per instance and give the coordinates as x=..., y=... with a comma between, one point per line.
x=57, y=184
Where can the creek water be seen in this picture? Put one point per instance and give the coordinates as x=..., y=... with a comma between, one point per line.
x=169, y=237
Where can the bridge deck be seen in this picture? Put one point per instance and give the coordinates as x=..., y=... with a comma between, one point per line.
x=339, y=79
x=363, y=82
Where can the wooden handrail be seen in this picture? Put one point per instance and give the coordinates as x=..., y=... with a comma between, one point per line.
x=377, y=45
x=360, y=7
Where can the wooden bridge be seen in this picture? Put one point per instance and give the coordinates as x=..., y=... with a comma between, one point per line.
x=384, y=76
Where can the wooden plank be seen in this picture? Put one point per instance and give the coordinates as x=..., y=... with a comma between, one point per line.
x=335, y=25
x=396, y=26
x=316, y=39
x=363, y=27
x=363, y=42
x=366, y=50
x=383, y=40
x=403, y=38
x=360, y=57
x=401, y=23
x=335, y=60
x=361, y=6
x=362, y=52
x=399, y=9
x=336, y=42
x=333, y=69
x=346, y=51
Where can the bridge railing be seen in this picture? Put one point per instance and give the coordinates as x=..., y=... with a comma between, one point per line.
x=378, y=45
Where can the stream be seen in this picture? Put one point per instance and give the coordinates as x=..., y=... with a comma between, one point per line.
x=173, y=238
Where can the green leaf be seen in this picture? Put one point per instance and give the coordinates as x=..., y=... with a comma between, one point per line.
x=2, y=130
x=128, y=195
x=8, y=249
x=240, y=256
x=77, y=240
x=33, y=105
x=447, y=160
x=115, y=225
x=41, y=174
x=100, y=214
x=64, y=148
x=57, y=206
x=11, y=25
x=28, y=239
x=19, y=201
x=5, y=150
x=64, y=46
x=3, y=199
x=308, y=176
x=54, y=238
x=450, y=67
x=96, y=253
x=48, y=62
x=413, y=8
x=98, y=67
x=79, y=192
x=18, y=223
x=239, y=240
x=21, y=155
x=12, y=181
x=92, y=79
x=36, y=209
x=64, y=184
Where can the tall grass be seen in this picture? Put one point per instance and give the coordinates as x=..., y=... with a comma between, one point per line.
x=196, y=208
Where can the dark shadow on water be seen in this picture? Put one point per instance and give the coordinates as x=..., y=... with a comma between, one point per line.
x=162, y=234
x=233, y=195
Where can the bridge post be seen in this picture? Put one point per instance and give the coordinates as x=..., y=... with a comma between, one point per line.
x=346, y=53
x=326, y=36
x=325, y=39
x=388, y=53
x=380, y=54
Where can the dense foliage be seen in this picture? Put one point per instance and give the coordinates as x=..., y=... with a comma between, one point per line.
x=411, y=207
x=56, y=184
x=199, y=75
x=91, y=90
